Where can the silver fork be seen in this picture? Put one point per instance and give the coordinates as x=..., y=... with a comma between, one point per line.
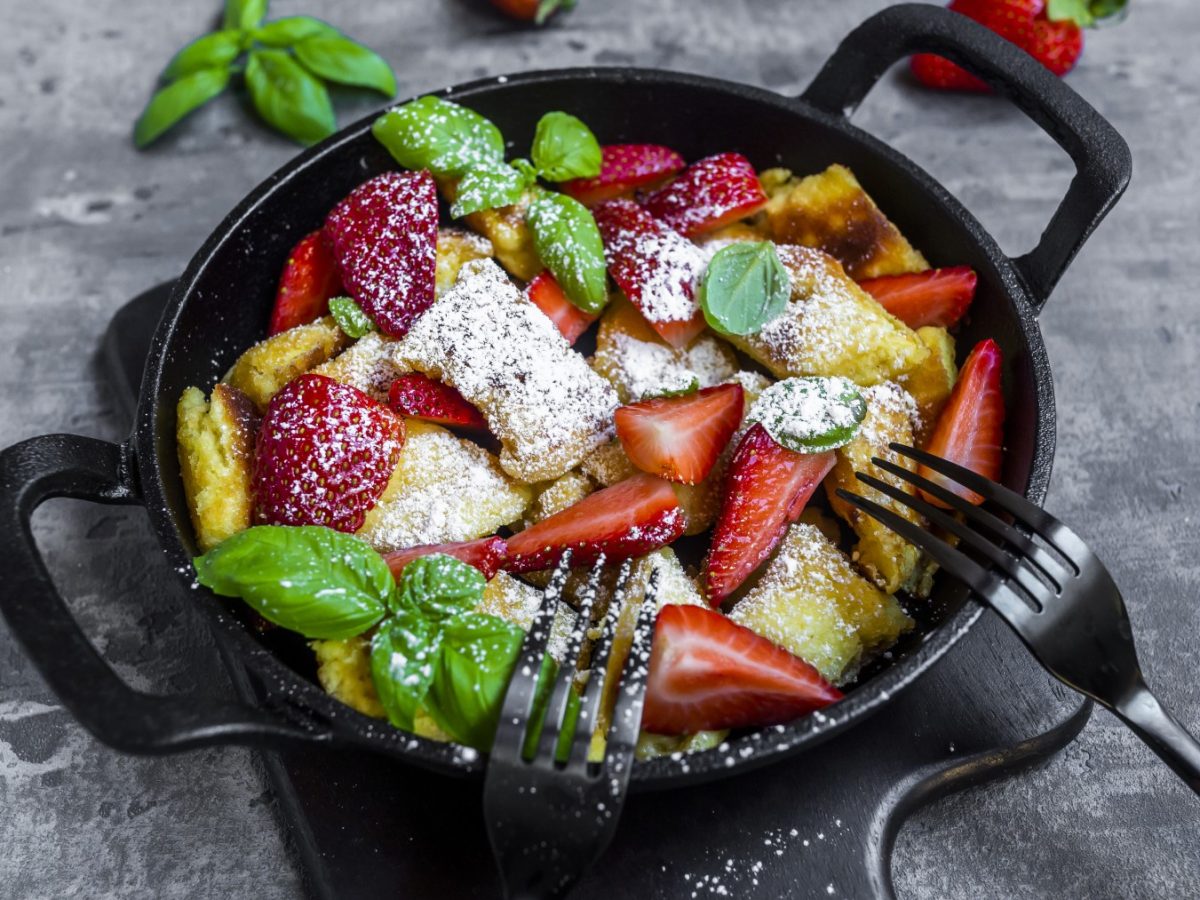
x=1063, y=604
x=551, y=814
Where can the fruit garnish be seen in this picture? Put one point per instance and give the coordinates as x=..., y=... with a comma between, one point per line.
x=810, y=415
x=384, y=237
x=421, y=397
x=765, y=490
x=970, y=430
x=536, y=11
x=623, y=168
x=680, y=438
x=745, y=286
x=486, y=555
x=325, y=453
x=547, y=296
x=630, y=518
x=707, y=672
x=655, y=266
x=350, y=317
x=309, y=279
x=935, y=297
x=710, y=193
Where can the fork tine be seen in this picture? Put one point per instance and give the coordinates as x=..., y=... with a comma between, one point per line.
x=631, y=691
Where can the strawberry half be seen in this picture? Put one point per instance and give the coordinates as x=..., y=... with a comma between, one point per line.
x=421, y=397
x=631, y=518
x=712, y=192
x=655, y=266
x=623, y=168
x=545, y=293
x=384, y=238
x=309, y=279
x=325, y=453
x=485, y=554
x=934, y=297
x=709, y=673
x=766, y=490
x=970, y=430
x=680, y=438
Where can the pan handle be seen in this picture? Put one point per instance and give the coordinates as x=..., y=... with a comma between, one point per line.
x=65, y=465
x=1101, y=156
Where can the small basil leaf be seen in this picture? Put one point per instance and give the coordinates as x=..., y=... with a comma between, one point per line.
x=547, y=8
x=404, y=656
x=291, y=29
x=336, y=58
x=288, y=97
x=212, y=51
x=439, y=586
x=810, y=415
x=744, y=288
x=317, y=581
x=690, y=388
x=565, y=148
x=487, y=188
x=568, y=243
x=443, y=137
x=245, y=14
x=350, y=317
x=1084, y=13
x=176, y=100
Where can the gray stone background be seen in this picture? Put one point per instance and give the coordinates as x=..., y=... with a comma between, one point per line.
x=86, y=222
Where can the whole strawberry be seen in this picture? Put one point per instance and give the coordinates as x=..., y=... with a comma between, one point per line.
x=325, y=453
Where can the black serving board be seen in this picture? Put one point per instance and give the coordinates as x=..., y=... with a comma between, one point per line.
x=822, y=824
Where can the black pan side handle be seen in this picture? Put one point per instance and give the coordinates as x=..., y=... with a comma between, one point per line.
x=64, y=465
x=1102, y=161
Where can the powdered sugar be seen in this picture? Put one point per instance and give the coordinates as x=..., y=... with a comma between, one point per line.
x=887, y=403
x=801, y=410
x=647, y=368
x=367, y=364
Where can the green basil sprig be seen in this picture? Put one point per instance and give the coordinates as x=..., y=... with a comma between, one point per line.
x=744, y=287
x=568, y=243
x=810, y=415
x=350, y=317
x=565, y=148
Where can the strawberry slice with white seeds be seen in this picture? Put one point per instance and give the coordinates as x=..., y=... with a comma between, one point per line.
x=680, y=438
x=546, y=294
x=486, y=554
x=708, y=673
x=934, y=297
x=421, y=397
x=624, y=168
x=655, y=266
x=631, y=518
x=384, y=238
x=325, y=453
x=765, y=490
x=712, y=192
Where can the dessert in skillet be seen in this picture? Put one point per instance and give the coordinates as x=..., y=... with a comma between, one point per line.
x=394, y=469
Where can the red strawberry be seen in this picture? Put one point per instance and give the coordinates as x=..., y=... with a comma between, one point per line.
x=624, y=167
x=547, y=296
x=631, y=518
x=485, y=554
x=309, y=279
x=680, y=438
x=422, y=397
x=384, y=237
x=970, y=429
x=708, y=673
x=935, y=297
x=765, y=490
x=656, y=267
x=325, y=453
x=532, y=10
x=712, y=192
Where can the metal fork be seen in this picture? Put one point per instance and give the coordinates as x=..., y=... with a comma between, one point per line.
x=1063, y=604
x=549, y=818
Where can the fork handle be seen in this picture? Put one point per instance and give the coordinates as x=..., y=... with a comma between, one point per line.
x=1142, y=712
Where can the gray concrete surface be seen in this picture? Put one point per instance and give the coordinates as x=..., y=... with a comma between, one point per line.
x=86, y=222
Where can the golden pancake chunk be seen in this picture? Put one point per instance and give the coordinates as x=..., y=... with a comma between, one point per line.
x=931, y=382
x=367, y=365
x=266, y=367
x=455, y=248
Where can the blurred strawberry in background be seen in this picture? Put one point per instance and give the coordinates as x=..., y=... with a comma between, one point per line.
x=536, y=11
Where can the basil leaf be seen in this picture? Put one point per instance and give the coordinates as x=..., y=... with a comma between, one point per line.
x=317, y=581
x=547, y=8
x=336, y=58
x=568, y=243
x=404, y=654
x=439, y=586
x=744, y=288
x=1084, y=13
x=288, y=97
x=810, y=415
x=212, y=51
x=565, y=148
x=691, y=388
x=350, y=317
x=176, y=100
x=443, y=137
x=244, y=13
x=488, y=188
x=291, y=29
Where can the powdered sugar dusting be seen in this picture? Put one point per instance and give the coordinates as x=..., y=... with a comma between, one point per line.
x=647, y=368
x=367, y=365
x=886, y=404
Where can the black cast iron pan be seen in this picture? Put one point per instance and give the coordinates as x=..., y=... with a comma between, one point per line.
x=221, y=305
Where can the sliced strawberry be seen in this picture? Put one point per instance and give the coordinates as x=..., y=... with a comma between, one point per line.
x=765, y=490
x=712, y=192
x=631, y=518
x=970, y=429
x=384, y=237
x=624, y=167
x=547, y=296
x=325, y=453
x=656, y=267
x=485, y=554
x=708, y=673
x=935, y=297
x=421, y=397
x=310, y=278
x=680, y=438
